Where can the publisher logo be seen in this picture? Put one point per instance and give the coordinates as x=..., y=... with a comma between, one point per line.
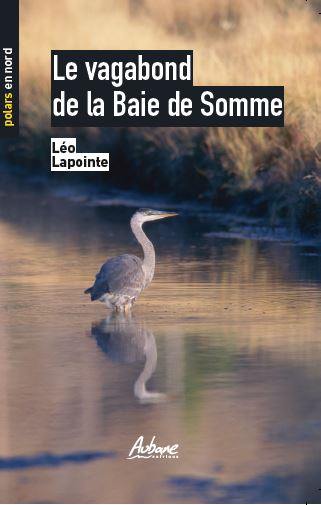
x=152, y=450
x=64, y=157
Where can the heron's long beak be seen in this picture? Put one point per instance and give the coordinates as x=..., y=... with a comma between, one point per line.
x=167, y=214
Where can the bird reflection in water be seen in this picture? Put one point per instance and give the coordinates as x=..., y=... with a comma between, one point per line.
x=126, y=340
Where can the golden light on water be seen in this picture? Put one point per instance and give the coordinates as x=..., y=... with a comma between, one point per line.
x=237, y=330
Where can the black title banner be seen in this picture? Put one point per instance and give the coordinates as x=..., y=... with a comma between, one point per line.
x=151, y=88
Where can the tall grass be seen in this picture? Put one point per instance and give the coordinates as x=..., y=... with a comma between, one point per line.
x=236, y=42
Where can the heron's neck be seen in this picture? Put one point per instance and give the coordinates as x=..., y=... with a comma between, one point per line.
x=148, y=248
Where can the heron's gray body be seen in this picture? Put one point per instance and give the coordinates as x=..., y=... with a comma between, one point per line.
x=121, y=279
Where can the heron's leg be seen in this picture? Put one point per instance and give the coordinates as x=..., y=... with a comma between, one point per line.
x=127, y=308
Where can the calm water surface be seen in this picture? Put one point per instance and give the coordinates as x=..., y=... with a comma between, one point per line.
x=222, y=356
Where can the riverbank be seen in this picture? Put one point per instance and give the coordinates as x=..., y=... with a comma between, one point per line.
x=218, y=224
x=179, y=165
x=268, y=173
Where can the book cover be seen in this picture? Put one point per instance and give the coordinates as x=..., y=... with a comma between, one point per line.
x=160, y=251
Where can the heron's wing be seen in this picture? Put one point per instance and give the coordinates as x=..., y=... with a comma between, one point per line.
x=123, y=274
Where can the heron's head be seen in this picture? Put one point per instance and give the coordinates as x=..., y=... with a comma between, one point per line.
x=143, y=215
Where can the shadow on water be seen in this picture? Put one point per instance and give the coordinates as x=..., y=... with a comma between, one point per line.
x=51, y=460
x=272, y=487
x=268, y=488
x=125, y=340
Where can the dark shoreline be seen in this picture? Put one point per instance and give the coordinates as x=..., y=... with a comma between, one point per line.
x=226, y=224
x=281, y=186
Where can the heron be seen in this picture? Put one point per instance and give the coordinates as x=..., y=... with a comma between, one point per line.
x=121, y=279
